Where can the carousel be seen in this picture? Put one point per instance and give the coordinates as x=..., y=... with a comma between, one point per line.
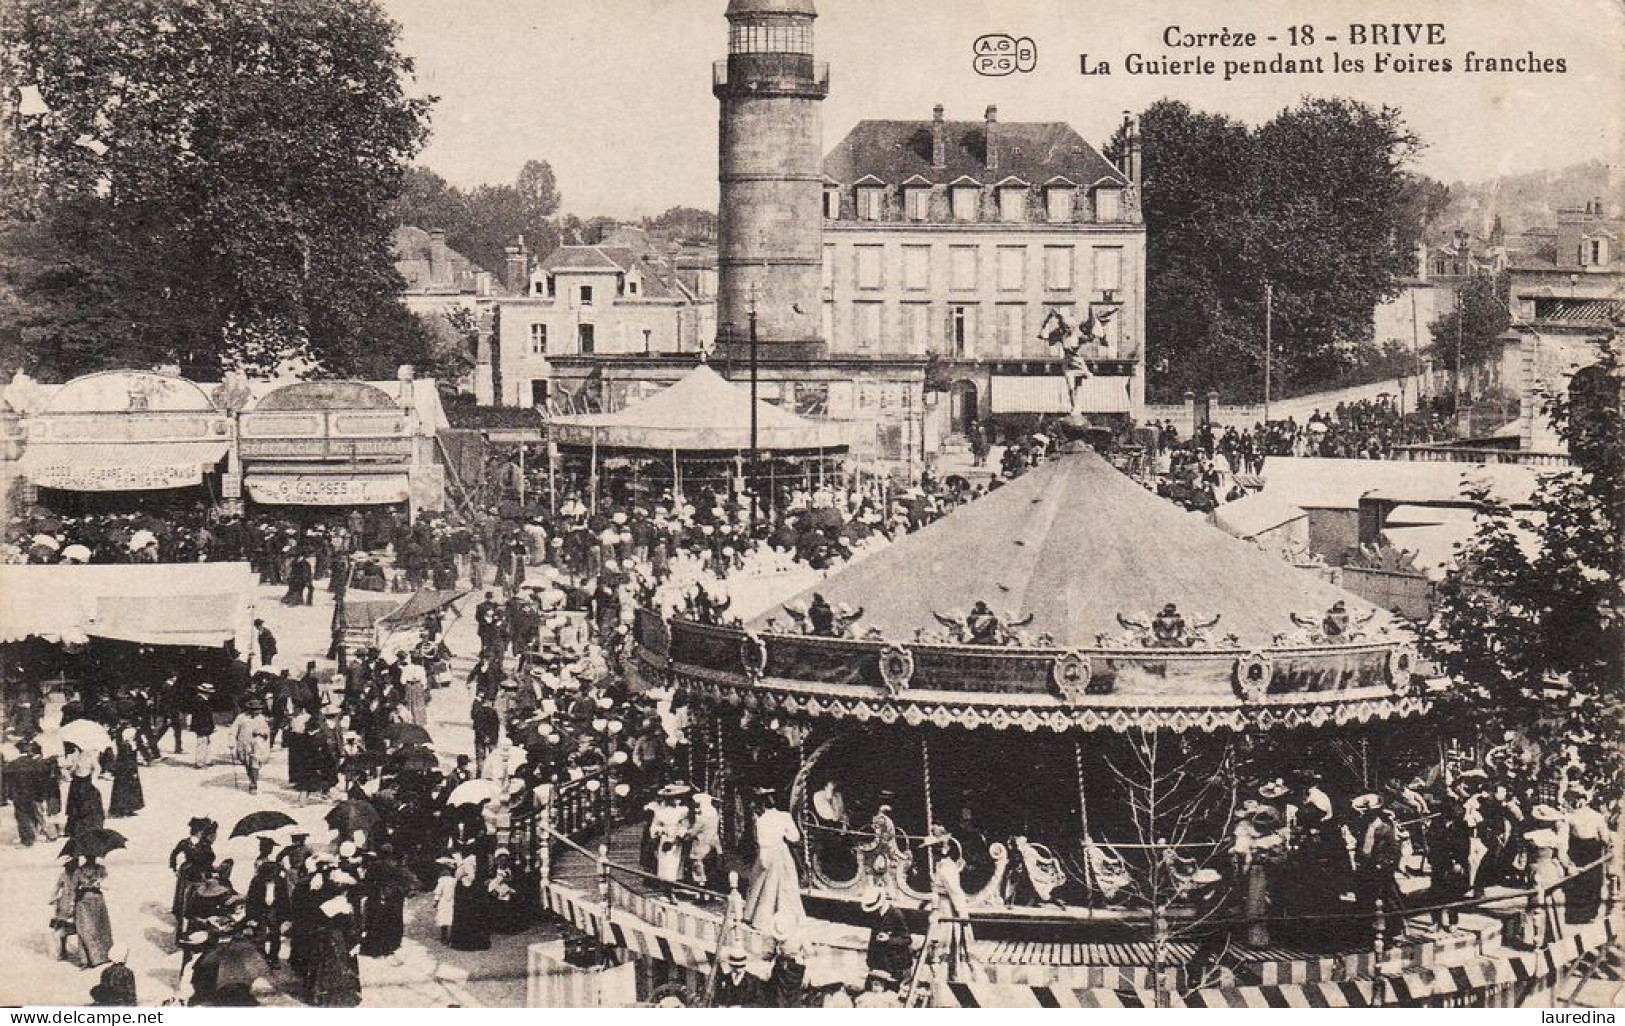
x=1090, y=704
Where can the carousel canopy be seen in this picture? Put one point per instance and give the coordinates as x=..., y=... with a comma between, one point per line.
x=1075, y=545
x=700, y=412
x=204, y=604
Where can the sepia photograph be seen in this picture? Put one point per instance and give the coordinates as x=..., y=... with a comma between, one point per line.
x=824, y=504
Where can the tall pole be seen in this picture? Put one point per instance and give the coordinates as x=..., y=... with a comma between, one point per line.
x=751, y=484
x=1269, y=345
x=1458, y=389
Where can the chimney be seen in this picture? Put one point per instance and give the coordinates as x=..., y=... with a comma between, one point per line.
x=939, y=138
x=439, y=258
x=517, y=277
x=990, y=138
x=1128, y=158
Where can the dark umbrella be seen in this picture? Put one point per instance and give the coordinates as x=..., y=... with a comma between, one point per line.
x=413, y=757
x=406, y=734
x=93, y=844
x=260, y=822
x=353, y=814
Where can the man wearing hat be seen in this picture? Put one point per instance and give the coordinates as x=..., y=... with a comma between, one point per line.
x=880, y=991
x=1377, y=862
x=200, y=710
x=891, y=946
x=251, y=741
x=267, y=900
x=736, y=986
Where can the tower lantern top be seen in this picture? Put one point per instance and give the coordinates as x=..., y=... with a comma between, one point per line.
x=752, y=8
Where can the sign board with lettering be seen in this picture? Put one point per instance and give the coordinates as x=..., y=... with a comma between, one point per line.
x=115, y=477
x=328, y=490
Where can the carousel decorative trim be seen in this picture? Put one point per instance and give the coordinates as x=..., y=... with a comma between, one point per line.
x=896, y=668
x=1071, y=674
x=660, y=636
x=752, y=655
x=1253, y=674
x=1401, y=667
x=1119, y=719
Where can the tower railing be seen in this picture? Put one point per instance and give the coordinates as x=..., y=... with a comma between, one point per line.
x=796, y=68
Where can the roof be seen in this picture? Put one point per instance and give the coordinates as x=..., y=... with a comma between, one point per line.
x=658, y=281
x=1074, y=543
x=699, y=412
x=1036, y=151
x=1314, y=483
x=1254, y=515
x=159, y=604
x=412, y=248
x=425, y=399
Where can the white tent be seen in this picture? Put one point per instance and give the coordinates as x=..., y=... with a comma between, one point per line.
x=204, y=604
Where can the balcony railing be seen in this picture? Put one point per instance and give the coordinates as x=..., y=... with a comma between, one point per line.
x=773, y=71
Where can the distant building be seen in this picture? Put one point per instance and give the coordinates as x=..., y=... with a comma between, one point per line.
x=438, y=278
x=582, y=305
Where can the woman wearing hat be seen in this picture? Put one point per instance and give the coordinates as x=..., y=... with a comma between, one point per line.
x=775, y=893
x=1258, y=844
x=116, y=988
x=671, y=827
x=84, y=810
x=1543, y=847
x=1588, y=835
x=126, y=798
x=90, y=921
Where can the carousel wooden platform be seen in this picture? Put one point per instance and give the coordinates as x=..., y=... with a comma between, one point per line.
x=1024, y=960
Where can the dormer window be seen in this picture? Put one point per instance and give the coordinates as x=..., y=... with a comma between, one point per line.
x=965, y=200
x=871, y=202
x=917, y=202
x=585, y=295
x=1593, y=252
x=1058, y=203
x=552, y=287
x=832, y=203
x=1013, y=203
x=1108, y=203
x=632, y=287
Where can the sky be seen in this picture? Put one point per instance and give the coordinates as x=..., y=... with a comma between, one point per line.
x=615, y=94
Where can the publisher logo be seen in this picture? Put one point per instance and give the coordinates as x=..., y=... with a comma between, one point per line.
x=999, y=54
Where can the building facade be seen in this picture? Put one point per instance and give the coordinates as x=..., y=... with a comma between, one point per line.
x=969, y=242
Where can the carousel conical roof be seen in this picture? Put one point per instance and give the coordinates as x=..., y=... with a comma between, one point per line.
x=1075, y=543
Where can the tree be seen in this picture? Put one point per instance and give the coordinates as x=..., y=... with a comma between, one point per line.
x=688, y=224
x=212, y=183
x=1316, y=202
x=1480, y=316
x=481, y=224
x=1531, y=623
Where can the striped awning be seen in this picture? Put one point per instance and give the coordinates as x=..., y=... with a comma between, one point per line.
x=119, y=466
x=1047, y=394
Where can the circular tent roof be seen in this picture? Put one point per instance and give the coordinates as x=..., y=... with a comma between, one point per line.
x=125, y=391
x=326, y=395
x=1080, y=565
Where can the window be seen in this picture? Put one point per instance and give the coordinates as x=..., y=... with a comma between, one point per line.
x=538, y=340
x=1058, y=203
x=538, y=392
x=1108, y=269
x=916, y=268
x=1011, y=327
x=832, y=203
x=1597, y=252
x=1058, y=268
x=829, y=268
x=585, y=336
x=1012, y=268
x=631, y=288
x=868, y=260
x=965, y=200
x=586, y=295
x=868, y=326
x=1012, y=204
x=962, y=264
x=917, y=328
x=871, y=203
x=552, y=287
x=962, y=331
x=917, y=202
x=1107, y=207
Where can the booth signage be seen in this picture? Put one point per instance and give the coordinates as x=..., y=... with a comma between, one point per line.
x=116, y=477
x=125, y=427
x=335, y=490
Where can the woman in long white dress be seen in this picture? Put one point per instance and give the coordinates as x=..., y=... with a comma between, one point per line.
x=775, y=893
x=670, y=827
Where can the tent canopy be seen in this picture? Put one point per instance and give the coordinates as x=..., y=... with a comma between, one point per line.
x=1075, y=543
x=700, y=412
x=423, y=602
x=1255, y=514
x=204, y=604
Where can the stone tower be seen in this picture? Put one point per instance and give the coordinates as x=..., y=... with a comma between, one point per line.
x=770, y=169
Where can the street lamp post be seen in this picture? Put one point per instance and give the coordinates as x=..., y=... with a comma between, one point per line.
x=754, y=455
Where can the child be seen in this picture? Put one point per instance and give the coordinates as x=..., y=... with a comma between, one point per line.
x=445, y=894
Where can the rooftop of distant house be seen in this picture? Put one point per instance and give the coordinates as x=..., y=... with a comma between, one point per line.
x=429, y=265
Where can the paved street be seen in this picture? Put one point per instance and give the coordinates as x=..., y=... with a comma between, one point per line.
x=424, y=972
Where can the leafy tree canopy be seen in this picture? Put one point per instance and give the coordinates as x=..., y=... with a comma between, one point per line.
x=205, y=183
x=483, y=222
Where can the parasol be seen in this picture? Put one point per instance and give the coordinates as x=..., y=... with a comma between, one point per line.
x=93, y=844
x=351, y=815
x=413, y=757
x=46, y=541
x=406, y=734
x=77, y=553
x=141, y=539
x=86, y=735
x=473, y=792
x=261, y=822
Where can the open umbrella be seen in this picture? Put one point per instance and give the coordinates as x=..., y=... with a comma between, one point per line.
x=406, y=734
x=351, y=815
x=261, y=822
x=76, y=553
x=473, y=792
x=87, y=735
x=413, y=757
x=93, y=844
